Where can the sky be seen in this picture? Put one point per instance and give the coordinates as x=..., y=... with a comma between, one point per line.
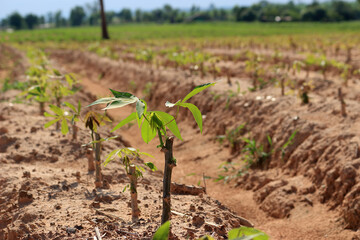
x=41, y=7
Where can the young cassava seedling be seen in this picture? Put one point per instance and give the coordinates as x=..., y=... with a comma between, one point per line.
x=47, y=84
x=64, y=117
x=92, y=121
x=158, y=123
x=127, y=155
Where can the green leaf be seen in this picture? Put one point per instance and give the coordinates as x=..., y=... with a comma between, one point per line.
x=129, y=118
x=206, y=238
x=64, y=127
x=98, y=141
x=151, y=166
x=127, y=186
x=70, y=106
x=169, y=122
x=246, y=233
x=56, y=110
x=56, y=72
x=46, y=114
x=102, y=101
x=122, y=94
x=195, y=112
x=140, y=108
x=147, y=132
x=48, y=124
x=79, y=107
x=163, y=232
x=196, y=90
x=146, y=154
x=156, y=122
x=69, y=79
x=119, y=103
x=269, y=140
x=109, y=157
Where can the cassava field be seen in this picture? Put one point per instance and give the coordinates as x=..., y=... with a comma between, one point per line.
x=275, y=147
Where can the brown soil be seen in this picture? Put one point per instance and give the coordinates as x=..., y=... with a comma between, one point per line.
x=311, y=192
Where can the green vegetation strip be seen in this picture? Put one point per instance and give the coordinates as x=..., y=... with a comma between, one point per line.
x=181, y=31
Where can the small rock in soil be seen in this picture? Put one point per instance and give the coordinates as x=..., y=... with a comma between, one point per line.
x=3, y=130
x=71, y=230
x=26, y=174
x=198, y=221
x=106, y=184
x=307, y=200
x=217, y=220
x=78, y=227
x=95, y=204
x=208, y=228
x=221, y=231
x=25, y=197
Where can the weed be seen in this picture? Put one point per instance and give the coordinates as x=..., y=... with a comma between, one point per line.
x=254, y=155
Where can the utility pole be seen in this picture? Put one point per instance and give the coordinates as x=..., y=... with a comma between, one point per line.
x=105, y=34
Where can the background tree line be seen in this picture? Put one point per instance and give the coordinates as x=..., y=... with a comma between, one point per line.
x=263, y=11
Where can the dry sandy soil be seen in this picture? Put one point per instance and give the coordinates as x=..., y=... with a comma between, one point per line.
x=311, y=192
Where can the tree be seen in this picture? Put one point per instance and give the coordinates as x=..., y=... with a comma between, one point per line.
x=77, y=16
x=249, y=15
x=169, y=13
x=93, y=11
x=41, y=20
x=16, y=21
x=194, y=9
x=138, y=15
x=4, y=22
x=58, y=19
x=125, y=15
x=105, y=34
x=110, y=15
x=94, y=19
x=157, y=15
x=244, y=14
x=50, y=17
x=31, y=20
x=344, y=10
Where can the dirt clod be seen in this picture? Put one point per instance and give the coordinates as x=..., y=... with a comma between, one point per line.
x=198, y=221
x=25, y=197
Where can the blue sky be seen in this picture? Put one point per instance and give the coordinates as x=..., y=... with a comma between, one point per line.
x=41, y=7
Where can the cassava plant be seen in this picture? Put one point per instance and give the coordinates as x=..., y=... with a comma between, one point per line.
x=93, y=121
x=324, y=65
x=303, y=92
x=37, y=78
x=127, y=155
x=64, y=117
x=254, y=68
x=60, y=86
x=47, y=84
x=309, y=62
x=156, y=123
x=214, y=69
